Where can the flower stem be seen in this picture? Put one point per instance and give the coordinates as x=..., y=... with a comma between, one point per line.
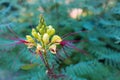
x=44, y=59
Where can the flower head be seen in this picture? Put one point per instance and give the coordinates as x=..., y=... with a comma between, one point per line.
x=43, y=38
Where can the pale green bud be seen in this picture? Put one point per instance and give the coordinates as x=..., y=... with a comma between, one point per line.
x=39, y=37
x=42, y=31
x=34, y=33
x=50, y=30
x=38, y=27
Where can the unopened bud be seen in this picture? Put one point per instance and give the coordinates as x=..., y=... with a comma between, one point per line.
x=56, y=39
x=45, y=38
x=29, y=38
x=38, y=27
x=50, y=30
x=41, y=30
x=39, y=37
x=34, y=33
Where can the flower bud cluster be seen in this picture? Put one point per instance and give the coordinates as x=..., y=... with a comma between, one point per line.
x=43, y=38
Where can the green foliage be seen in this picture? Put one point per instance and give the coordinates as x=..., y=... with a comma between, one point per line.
x=100, y=19
x=88, y=70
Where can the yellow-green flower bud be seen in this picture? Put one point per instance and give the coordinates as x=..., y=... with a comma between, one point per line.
x=38, y=27
x=42, y=21
x=45, y=38
x=56, y=39
x=41, y=31
x=29, y=38
x=50, y=30
x=39, y=37
x=34, y=33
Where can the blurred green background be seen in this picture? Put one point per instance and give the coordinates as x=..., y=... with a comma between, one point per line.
x=101, y=18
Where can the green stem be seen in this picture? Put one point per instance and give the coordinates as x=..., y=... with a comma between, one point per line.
x=46, y=60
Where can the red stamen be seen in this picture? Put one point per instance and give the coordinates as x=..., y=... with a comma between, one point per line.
x=15, y=42
x=59, y=56
x=77, y=49
x=64, y=42
x=20, y=41
x=69, y=44
x=65, y=52
x=23, y=41
x=70, y=34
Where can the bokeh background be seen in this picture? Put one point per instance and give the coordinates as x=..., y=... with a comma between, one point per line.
x=98, y=21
